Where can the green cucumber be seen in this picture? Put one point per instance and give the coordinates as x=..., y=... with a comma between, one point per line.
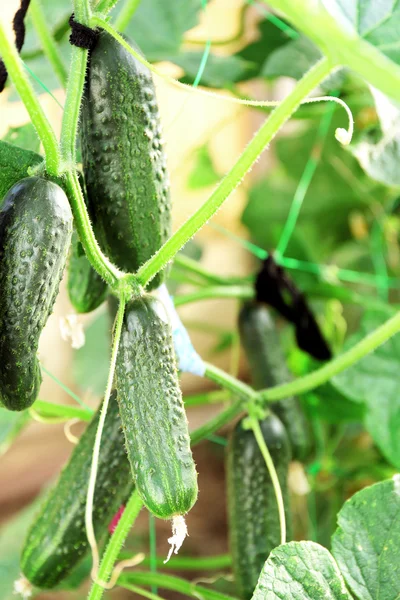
x=86, y=289
x=260, y=340
x=252, y=508
x=35, y=233
x=57, y=540
x=152, y=412
x=123, y=158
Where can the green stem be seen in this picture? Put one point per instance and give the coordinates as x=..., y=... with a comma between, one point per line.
x=170, y=582
x=229, y=183
x=99, y=261
x=48, y=409
x=228, y=382
x=96, y=447
x=213, y=425
x=193, y=266
x=126, y=14
x=25, y=90
x=114, y=546
x=49, y=45
x=104, y=6
x=141, y=592
x=335, y=366
x=188, y=563
x=255, y=426
x=213, y=397
x=210, y=293
x=76, y=82
x=342, y=43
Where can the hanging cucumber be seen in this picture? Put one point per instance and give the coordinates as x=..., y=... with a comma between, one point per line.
x=152, y=412
x=57, y=539
x=86, y=289
x=252, y=508
x=35, y=233
x=123, y=157
x=260, y=340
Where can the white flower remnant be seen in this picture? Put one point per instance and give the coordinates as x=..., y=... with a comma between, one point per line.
x=72, y=329
x=179, y=532
x=343, y=136
x=23, y=588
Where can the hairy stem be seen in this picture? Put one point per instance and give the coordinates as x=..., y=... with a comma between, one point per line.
x=47, y=41
x=25, y=90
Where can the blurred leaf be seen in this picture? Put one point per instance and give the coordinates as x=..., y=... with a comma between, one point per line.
x=158, y=26
x=366, y=542
x=11, y=424
x=219, y=71
x=24, y=137
x=14, y=164
x=300, y=571
x=55, y=12
x=375, y=380
x=291, y=60
x=91, y=362
x=331, y=406
x=203, y=172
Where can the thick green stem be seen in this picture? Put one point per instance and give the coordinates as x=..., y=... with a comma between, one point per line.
x=243, y=292
x=213, y=425
x=126, y=14
x=335, y=366
x=100, y=262
x=237, y=387
x=229, y=183
x=342, y=43
x=188, y=563
x=170, y=582
x=47, y=41
x=114, y=546
x=214, y=397
x=39, y=120
x=48, y=409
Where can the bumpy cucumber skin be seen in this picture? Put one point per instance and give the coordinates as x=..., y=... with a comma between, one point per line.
x=252, y=509
x=123, y=158
x=86, y=289
x=57, y=539
x=35, y=233
x=260, y=340
x=152, y=412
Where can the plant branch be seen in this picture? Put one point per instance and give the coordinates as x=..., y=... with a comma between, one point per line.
x=25, y=90
x=237, y=387
x=48, y=409
x=243, y=292
x=213, y=425
x=126, y=14
x=335, y=366
x=193, y=266
x=229, y=183
x=189, y=563
x=49, y=45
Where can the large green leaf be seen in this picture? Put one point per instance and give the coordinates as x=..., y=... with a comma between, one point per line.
x=203, y=172
x=158, y=26
x=366, y=543
x=292, y=59
x=14, y=165
x=25, y=137
x=300, y=571
x=375, y=380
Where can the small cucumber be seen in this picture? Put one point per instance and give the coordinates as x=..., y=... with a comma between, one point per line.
x=260, y=340
x=86, y=289
x=123, y=158
x=152, y=412
x=35, y=233
x=57, y=539
x=252, y=509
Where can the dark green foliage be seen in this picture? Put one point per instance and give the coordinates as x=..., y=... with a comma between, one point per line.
x=253, y=512
x=152, y=412
x=35, y=233
x=123, y=158
x=57, y=539
x=260, y=340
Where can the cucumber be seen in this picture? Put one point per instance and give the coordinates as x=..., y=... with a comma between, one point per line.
x=252, y=509
x=35, y=233
x=57, y=541
x=152, y=413
x=86, y=289
x=260, y=340
x=123, y=158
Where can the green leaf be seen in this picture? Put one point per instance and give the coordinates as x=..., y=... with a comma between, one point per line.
x=219, y=71
x=300, y=571
x=91, y=362
x=24, y=137
x=332, y=406
x=158, y=26
x=14, y=165
x=291, y=60
x=375, y=380
x=366, y=542
x=203, y=172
